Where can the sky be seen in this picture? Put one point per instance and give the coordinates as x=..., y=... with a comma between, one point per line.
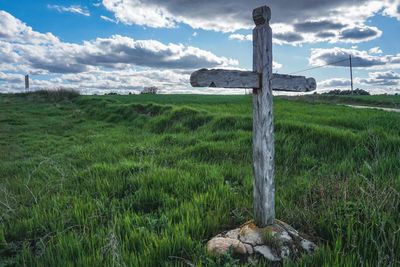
x=124, y=46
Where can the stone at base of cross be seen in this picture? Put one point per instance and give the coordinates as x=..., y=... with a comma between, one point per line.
x=249, y=243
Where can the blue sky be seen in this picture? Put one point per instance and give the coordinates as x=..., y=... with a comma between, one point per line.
x=126, y=45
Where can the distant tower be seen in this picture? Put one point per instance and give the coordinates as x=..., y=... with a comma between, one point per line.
x=26, y=82
x=351, y=73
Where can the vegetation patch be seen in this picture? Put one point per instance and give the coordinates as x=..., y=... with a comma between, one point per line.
x=50, y=95
x=146, y=180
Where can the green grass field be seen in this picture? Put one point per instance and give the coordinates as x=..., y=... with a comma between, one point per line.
x=389, y=101
x=146, y=180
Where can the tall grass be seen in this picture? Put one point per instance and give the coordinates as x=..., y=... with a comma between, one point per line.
x=391, y=101
x=55, y=95
x=147, y=180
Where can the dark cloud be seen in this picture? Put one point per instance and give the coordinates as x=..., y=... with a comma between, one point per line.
x=359, y=33
x=395, y=59
x=316, y=26
x=7, y=55
x=339, y=57
x=232, y=15
x=11, y=77
x=57, y=67
x=383, y=79
x=80, y=77
x=117, y=52
x=325, y=34
x=388, y=75
x=123, y=50
x=306, y=16
x=289, y=37
x=377, y=82
x=357, y=61
x=282, y=11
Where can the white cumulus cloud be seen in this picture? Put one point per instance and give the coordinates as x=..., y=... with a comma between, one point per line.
x=334, y=82
x=375, y=50
x=14, y=30
x=241, y=37
x=73, y=9
x=114, y=63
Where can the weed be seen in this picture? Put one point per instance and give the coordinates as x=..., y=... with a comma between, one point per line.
x=272, y=240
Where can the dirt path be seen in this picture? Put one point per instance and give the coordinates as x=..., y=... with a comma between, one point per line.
x=386, y=109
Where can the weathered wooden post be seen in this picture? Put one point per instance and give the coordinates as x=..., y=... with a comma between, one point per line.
x=263, y=120
x=263, y=81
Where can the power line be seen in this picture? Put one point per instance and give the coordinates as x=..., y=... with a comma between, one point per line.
x=319, y=66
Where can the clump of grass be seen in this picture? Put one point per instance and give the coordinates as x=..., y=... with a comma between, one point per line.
x=391, y=101
x=272, y=240
x=180, y=120
x=59, y=94
x=226, y=259
x=55, y=95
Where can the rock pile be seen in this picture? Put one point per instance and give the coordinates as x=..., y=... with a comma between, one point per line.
x=275, y=242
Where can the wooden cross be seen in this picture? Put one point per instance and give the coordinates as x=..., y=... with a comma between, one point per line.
x=263, y=81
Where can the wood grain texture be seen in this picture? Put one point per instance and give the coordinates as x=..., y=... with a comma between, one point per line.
x=284, y=82
x=261, y=15
x=263, y=127
x=225, y=78
x=249, y=79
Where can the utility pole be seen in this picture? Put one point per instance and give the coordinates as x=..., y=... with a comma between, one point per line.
x=351, y=74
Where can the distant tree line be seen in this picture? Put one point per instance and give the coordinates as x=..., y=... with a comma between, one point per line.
x=146, y=90
x=150, y=90
x=347, y=92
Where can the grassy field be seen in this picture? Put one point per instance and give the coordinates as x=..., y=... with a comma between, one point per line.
x=389, y=101
x=145, y=180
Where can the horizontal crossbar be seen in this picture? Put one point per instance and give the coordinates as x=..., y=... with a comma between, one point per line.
x=250, y=79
